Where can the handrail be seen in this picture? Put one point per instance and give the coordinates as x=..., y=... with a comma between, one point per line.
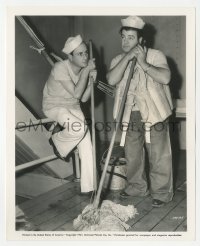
x=34, y=123
x=35, y=162
x=41, y=160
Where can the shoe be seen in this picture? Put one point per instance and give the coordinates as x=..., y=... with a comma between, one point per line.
x=57, y=128
x=157, y=203
x=124, y=195
x=55, y=150
x=90, y=193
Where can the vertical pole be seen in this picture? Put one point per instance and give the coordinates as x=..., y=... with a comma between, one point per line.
x=117, y=121
x=93, y=120
x=77, y=166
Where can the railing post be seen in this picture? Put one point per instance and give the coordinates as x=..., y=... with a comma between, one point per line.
x=77, y=166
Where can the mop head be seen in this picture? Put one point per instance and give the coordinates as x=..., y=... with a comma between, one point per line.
x=110, y=217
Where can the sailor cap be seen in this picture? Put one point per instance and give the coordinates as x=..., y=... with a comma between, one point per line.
x=71, y=44
x=133, y=21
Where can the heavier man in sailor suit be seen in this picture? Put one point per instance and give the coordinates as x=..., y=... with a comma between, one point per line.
x=148, y=106
x=67, y=85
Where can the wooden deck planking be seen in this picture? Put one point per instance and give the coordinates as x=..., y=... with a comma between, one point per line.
x=58, y=208
x=143, y=208
x=182, y=226
x=61, y=219
x=113, y=196
x=173, y=219
x=58, y=212
x=50, y=194
x=154, y=216
x=49, y=201
x=66, y=227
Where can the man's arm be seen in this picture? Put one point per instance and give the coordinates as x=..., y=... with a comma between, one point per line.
x=159, y=74
x=87, y=92
x=77, y=90
x=115, y=74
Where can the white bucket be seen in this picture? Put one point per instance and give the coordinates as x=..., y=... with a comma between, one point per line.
x=116, y=174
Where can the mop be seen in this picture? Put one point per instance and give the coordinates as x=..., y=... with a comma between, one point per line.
x=109, y=216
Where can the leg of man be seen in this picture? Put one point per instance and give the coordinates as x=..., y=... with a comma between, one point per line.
x=160, y=159
x=74, y=128
x=88, y=177
x=134, y=153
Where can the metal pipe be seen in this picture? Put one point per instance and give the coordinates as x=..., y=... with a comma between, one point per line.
x=77, y=165
x=35, y=162
x=33, y=123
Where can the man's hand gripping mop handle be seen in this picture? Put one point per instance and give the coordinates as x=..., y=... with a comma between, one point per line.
x=117, y=123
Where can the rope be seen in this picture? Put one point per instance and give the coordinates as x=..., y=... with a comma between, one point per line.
x=30, y=32
x=38, y=50
x=38, y=42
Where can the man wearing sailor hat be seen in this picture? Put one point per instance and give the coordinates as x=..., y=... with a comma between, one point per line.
x=148, y=106
x=66, y=86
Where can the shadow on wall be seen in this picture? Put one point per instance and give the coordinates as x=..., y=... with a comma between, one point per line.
x=175, y=131
x=176, y=79
x=149, y=33
x=175, y=124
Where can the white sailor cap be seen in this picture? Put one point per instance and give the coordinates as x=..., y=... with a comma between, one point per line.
x=133, y=21
x=71, y=44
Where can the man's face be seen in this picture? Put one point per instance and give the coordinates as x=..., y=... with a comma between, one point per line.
x=129, y=40
x=80, y=56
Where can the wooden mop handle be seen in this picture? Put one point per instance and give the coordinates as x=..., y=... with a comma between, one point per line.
x=117, y=122
x=126, y=90
x=93, y=121
x=90, y=49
